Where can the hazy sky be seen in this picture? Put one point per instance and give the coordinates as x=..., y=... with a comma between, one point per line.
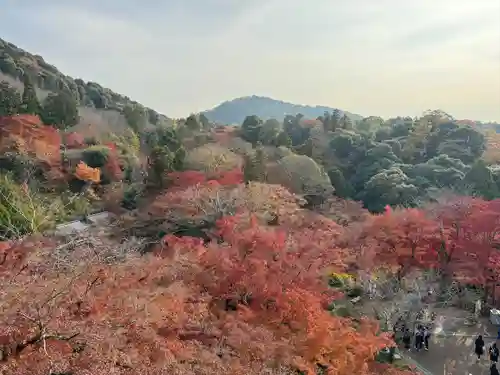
x=372, y=57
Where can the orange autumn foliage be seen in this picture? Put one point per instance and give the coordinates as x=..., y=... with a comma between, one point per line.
x=85, y=173
x=43, y=142
x=186, y=179
x=169, y=315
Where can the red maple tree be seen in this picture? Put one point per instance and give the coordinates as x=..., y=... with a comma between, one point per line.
x=112, y=168
x=74, y=140
x=402, y=239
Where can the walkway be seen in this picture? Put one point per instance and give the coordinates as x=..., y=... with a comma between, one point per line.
x=452, y=346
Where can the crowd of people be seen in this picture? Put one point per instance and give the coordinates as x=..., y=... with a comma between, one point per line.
x=422, y=335
x=421, y=340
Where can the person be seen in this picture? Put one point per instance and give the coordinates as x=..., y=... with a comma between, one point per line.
x=494, y=352
x=494, y=370
x=479, y=347
x=427, y=335
x=419, y=339
x=407, y=339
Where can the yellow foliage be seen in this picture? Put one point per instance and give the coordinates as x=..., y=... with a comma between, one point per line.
x=85, y=173
x=342, y=276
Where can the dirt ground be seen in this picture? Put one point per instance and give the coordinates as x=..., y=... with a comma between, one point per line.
x=452, y=345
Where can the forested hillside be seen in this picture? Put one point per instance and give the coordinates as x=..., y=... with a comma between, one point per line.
x=96, y=103
x=401, y=161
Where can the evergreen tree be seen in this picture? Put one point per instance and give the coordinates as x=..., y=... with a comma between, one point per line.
x=283, y=140
x=260, y=164
x=192, y=123
x=10, y=101
x=346, y=122
x=335, y=120
x=60, y=110
x=251, y=129
x=30, y=104
x=254, y=166
x=248, y=168
x=205, y=123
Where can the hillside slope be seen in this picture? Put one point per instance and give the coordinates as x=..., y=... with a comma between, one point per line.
x=235, y=111
x=92, y=97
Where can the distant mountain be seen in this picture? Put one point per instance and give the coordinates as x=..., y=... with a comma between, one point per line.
x=235, y=111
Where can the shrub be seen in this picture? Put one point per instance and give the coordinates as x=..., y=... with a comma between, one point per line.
x=96, y=156
x=22, y=211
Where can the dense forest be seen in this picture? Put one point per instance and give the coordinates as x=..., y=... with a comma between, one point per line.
x=249, y=249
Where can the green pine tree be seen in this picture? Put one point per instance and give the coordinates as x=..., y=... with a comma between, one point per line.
x=30, y=104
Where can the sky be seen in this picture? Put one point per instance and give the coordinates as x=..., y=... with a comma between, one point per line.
x=383, y=57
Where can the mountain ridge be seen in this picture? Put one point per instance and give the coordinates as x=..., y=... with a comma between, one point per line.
x=234, y=111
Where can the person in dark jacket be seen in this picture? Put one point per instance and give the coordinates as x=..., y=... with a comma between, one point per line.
x=407, y=339
x=494, y=370
x=494, y=353
x=419, y=338
x=427, y=335
x=479, y=347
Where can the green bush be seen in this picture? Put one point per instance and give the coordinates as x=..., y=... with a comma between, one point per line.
x=74, y=206
x=96, y=156
x=21, y=210
x=130, y=197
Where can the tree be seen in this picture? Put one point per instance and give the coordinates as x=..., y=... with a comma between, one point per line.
x=204, y=121
x=346, y=122
x=270, y=132
x=254, y=166
x=481, y=182
x=74, y=140
x=212, y=158
x=85, y=173
x=283, y=140
x=391, y=187
x=341, y=186
x=292, y=127
x=335, y=120
x=10, y=101
x=60, y=110
x=96, y=156
x=112, y=168
x=164, y=136
x=466, y=249
x=161, y=162
x=251, y=129
x=192, y=123
x=492, y=152
x=401, y=238
x=300, y=174
x=30, y=104
x=136, y=116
